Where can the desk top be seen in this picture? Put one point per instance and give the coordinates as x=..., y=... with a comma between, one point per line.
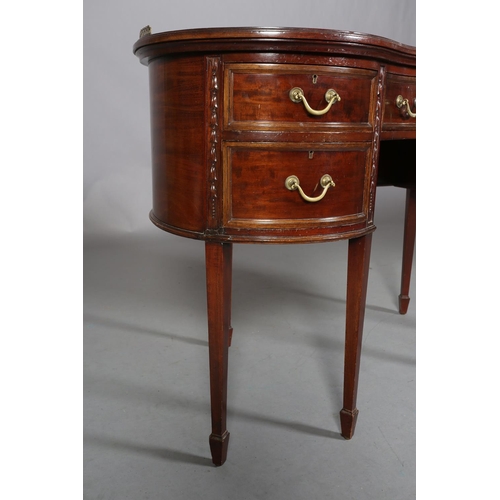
x=311, y=39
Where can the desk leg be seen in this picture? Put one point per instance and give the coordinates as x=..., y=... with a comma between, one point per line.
x=218, y=261
x=408, y=247
x=357, y=280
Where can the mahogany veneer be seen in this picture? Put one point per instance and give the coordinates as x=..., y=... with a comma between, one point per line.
x=232, y=140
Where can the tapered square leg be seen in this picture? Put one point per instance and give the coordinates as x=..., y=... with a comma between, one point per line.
x=218, y=260
x=408, y=249
x=357, y=281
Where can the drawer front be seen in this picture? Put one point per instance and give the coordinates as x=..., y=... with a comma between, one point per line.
x=257, y=96
x=256, y=195
x=397, y=112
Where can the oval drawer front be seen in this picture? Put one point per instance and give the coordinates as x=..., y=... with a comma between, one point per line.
x=401, y=92
x=258, y=96
x=258, y=194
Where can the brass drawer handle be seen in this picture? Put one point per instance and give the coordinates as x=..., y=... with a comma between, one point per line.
x=401, y=101
x=297, y=95
x=292, y=184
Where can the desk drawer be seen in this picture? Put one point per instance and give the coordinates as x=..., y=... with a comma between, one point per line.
x=256, y=195
x=396, y=110
x=257, y=96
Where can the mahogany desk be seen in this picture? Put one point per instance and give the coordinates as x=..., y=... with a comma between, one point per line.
x=279, y=135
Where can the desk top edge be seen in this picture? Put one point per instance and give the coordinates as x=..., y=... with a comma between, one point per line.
x=317, y=35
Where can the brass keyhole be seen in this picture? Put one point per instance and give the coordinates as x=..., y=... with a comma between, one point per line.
x=315, y=79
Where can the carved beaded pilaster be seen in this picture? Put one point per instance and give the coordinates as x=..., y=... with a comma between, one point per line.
x=376, y=142
x=213, y=142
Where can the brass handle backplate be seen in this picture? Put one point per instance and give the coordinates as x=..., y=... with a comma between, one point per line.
x=331, y=97
x=401, y=102
x=292, y=184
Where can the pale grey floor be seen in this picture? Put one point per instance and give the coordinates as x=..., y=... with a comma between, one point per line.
x=146, y=387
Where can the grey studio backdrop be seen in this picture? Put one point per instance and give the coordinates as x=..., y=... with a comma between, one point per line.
x=146, y=407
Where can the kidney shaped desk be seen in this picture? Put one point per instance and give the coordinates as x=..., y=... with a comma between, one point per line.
x=276, y=135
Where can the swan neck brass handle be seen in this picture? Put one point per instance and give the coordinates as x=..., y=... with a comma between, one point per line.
x=292, y=184
x=401, y=102
x=331, y=97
